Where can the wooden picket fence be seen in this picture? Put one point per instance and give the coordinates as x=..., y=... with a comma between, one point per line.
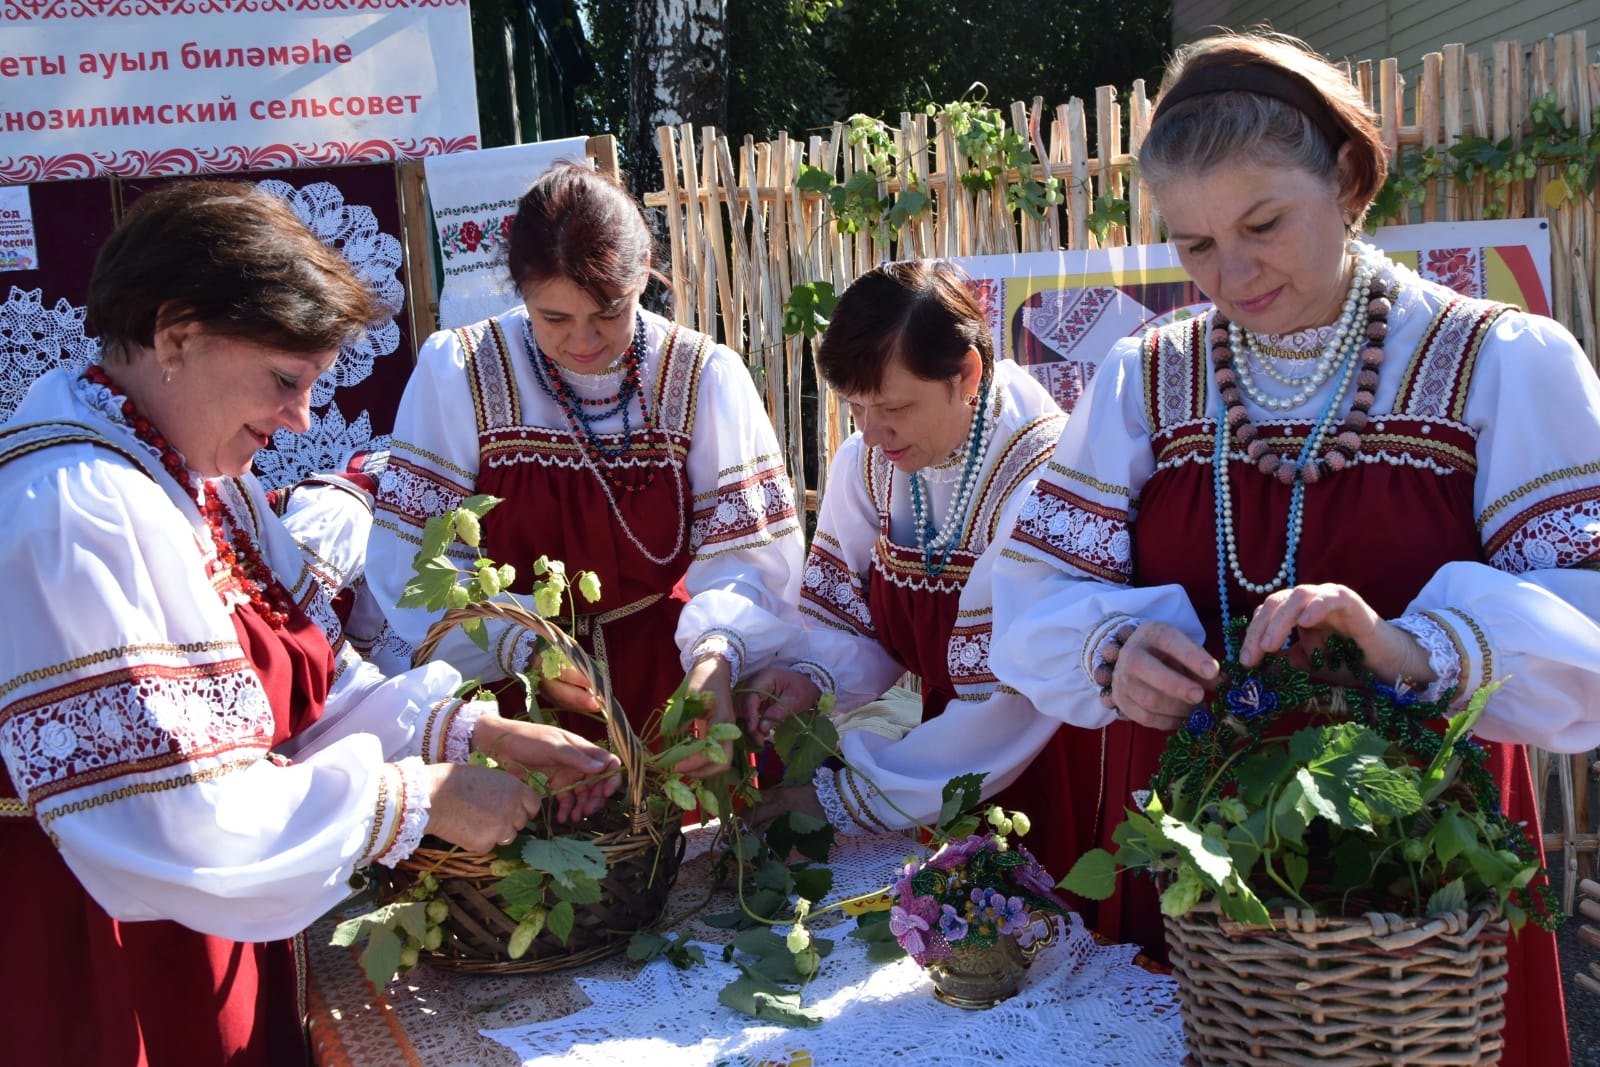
x=742, y=235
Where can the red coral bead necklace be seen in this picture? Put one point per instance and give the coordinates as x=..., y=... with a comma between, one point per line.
x=238, y=553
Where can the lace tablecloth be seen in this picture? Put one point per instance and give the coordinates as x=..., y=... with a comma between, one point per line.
x=1082, y=1002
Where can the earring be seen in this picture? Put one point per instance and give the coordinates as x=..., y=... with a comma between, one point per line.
x=166, y=375
x=972, y=400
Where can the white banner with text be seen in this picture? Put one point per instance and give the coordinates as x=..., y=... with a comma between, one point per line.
x=131, y=87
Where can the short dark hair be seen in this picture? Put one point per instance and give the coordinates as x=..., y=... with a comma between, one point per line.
x=579, y=224
x=1202, y=132
x=921, y=311
x=231, y=257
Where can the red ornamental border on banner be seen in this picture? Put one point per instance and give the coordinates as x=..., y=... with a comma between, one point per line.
x=24, y=10
x=224, y=159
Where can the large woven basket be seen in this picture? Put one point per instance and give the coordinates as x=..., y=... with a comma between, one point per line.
x=1327, y=992
x=642, y=851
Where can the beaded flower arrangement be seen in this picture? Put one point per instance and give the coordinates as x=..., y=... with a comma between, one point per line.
x=972, y=892
x=1364, y=807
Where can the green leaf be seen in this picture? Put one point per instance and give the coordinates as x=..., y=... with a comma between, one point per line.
x=803, y=742
x=560, y=919
x=1180, y=897
x=1390, y=791
x=644, y=945
x=480, y=504
x=679, y=793
x=768, y=1004
x=677, y=711
x=1452, y=896
x=1453, y=834
x=812, y=883
x=1263, y=773
x=1093, y=877
x=1209, y=856
x=559, y=855
x=1460, y=723
x=775, y=875
x=431, y=583
x=884, y=951
x=724, y=731
x=577, y=887
x=381, y=958
x=960, y=793
x=1297, y=867
x=479, y=634
x=523, y=887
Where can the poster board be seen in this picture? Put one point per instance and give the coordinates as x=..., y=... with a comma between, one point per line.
x=142, y=87
x=1059, y=313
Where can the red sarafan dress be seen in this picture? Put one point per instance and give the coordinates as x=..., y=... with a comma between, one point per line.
x=188, y=781
x=672, y=491
x=1469, y=517
x=874, y=610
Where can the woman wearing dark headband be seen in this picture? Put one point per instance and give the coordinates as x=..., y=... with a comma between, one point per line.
x=1417, y=471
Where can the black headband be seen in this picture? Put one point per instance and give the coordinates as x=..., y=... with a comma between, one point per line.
x=1263, y=79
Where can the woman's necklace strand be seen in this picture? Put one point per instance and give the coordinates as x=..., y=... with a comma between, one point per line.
x=942, y=543
x=237, y=552
x=581, y=426
x=1363, y=326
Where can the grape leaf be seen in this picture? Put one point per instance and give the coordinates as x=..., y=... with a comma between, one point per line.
x=381, y=958
x=561, y=854
x=812, y=883
x=559, y=920
x=1094, y=876
x=522, y=887
x=768, y=1003
x=577, y=887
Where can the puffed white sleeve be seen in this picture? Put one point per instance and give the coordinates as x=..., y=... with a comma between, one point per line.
x=433, y=467
x=1530, y=615
x=1063, y=580
x=839, y=647
x=138, y=735
x=991, y=730
x=745, y=534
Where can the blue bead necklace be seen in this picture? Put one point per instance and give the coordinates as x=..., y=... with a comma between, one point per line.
x=583, y=421
x=937, y=545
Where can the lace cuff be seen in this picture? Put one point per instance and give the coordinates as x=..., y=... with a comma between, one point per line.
x=514, y=651
x=818, y=674
x=827, y=788
x=724, y=643
x=1101, y=638
x=413, y=820
x=1443, y=656
x=458, y=742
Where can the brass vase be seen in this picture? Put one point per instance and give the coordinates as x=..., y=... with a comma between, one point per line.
x=980, y=976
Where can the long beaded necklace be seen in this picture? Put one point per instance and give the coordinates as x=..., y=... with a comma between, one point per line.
x=937, y=546
x=581, y=425
x=1362, y=329
x=235, y=551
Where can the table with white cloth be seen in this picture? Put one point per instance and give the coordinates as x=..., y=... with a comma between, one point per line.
x=1082, y=1002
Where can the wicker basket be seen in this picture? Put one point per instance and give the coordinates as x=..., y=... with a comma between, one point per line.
x=642, y=853
x=1340, y=992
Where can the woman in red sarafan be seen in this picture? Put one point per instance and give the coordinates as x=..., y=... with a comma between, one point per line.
x=1338, y=447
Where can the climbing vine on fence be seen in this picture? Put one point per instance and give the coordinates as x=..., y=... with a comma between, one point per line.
x=1550, y=141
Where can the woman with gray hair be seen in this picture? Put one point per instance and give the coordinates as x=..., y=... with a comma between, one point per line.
x=1338, y=448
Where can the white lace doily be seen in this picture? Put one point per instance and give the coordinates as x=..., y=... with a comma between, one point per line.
x=1081, y=1003
x=375, y=258
x=34, y=339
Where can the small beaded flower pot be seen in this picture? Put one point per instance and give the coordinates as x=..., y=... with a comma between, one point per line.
x=980, y=976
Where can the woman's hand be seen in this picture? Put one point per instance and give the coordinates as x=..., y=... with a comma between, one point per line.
x=1160, y=675
x=477, y=807
x=581, y=774
x=1308, y=615
x=711, y=680
x=784, y=799
x=570, y=690
x=770, y=697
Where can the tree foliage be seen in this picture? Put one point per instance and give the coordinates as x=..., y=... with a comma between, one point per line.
x=796, y=65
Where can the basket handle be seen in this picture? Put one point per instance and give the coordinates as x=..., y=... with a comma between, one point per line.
x=624, y=742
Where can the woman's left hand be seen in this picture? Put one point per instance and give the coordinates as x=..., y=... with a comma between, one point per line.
x=1313, y=613
x=581, y=774
x=784, y=799
x=710, y=679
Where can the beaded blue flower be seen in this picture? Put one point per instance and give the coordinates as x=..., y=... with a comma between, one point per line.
x=1200, y=721
x=1249, y=699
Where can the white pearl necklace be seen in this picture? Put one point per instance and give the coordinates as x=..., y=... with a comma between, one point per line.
x=1349, y=336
